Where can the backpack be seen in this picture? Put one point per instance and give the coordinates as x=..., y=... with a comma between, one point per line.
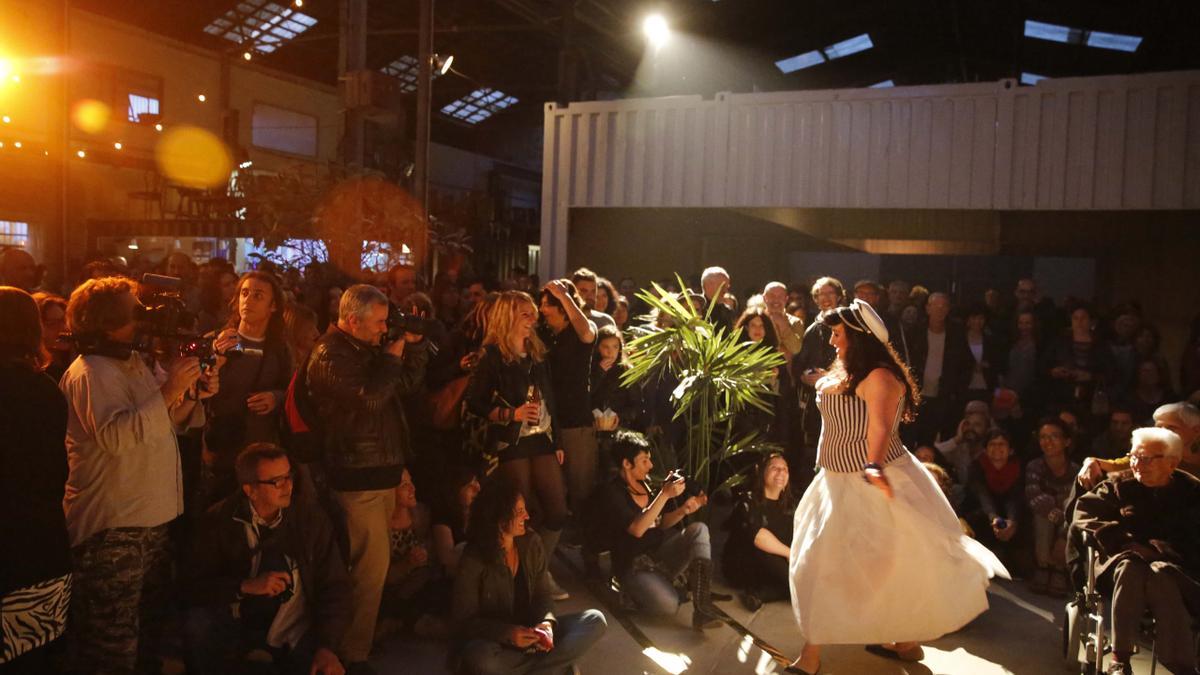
x=301, y=434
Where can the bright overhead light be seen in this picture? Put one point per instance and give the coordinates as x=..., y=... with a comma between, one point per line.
x=16, y=78
x=17, y=145
x=299, y=3
x=158, y=127
x=80, y=154
x=202, y=98
x=447, y=63
x=7, y=119
x=118, y=145
x=247, y=55
x=656, y=29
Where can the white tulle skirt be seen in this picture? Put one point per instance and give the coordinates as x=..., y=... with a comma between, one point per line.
x=866, y=569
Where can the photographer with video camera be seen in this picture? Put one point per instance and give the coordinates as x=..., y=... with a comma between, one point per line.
x=125, y=484
x=356, y=385
x=253, y=380
x=649, y=549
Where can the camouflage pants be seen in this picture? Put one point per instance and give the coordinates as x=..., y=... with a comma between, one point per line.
x=120, y=600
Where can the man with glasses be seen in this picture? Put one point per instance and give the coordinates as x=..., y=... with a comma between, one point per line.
x=1149, y=549
x=266, y=575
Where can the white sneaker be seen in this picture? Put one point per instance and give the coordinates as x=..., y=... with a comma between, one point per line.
x=556, y=592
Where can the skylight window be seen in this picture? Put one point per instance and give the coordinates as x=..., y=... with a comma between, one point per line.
x=1031, y=78
x=262, y=24
x=1052, y=32
x=1078, y=36
x=405, y=69
x=854, y=45
x=800, y=62
x=1115, y=41
x=478, y=105
x=883, y=85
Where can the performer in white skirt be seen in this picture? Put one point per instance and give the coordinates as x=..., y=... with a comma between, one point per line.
x=877, y=557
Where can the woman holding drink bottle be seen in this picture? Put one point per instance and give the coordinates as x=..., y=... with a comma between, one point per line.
x=510, y=388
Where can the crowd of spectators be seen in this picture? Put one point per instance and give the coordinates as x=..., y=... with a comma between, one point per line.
x=343, y=459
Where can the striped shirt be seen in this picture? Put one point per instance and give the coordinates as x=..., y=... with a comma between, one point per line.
x=843, y=444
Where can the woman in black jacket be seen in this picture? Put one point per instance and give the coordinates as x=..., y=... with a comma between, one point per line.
x=35, y=578
x=504, y=616
x=756, y=554
x=510, y=388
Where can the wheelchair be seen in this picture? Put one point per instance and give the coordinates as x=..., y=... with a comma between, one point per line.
x=1085, y=628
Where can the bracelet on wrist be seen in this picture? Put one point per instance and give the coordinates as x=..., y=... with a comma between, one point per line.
x=871, y=466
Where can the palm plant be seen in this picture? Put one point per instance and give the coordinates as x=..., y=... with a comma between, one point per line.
x=718, y=377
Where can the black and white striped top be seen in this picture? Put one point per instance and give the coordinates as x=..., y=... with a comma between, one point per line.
x=843, y=444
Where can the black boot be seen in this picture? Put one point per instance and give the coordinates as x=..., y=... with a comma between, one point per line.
x=700, y=579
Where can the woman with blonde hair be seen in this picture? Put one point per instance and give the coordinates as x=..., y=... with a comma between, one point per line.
x=510, y=388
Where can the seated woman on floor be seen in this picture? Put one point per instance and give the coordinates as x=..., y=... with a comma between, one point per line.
x=503, y=614
x=756, y=555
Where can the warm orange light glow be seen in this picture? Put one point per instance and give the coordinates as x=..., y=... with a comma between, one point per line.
x=193, y=157
x=17, y=144
x=247, y=56
x=80, y=154
x=202, y=98
x=7, y=119
x=158, y=127
x=118, y=145
x=6, y=68
x=91, y=115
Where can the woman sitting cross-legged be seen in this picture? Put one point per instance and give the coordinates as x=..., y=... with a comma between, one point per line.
x=505, y=622
x=756, y=555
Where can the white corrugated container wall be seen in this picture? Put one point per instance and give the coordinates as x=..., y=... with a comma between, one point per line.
x=1109, y=143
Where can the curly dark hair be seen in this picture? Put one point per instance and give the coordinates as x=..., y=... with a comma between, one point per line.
x=866, y=353
x=770, y=339
x=492, y=510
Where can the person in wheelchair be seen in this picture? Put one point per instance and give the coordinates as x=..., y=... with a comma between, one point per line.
x=1147, y=531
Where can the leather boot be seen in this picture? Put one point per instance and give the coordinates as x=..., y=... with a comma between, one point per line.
x=700, y=580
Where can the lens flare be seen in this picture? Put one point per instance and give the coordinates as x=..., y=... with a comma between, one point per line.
x=193, y=157
x=91, y=115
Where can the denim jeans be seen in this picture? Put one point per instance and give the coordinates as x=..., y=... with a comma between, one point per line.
x=574, y=634
x=653, y=592
x=213, y=639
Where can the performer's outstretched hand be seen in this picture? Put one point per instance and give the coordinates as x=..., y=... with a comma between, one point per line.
x=875, y=477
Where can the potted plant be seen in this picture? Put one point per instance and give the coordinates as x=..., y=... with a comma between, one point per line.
x=716, y=376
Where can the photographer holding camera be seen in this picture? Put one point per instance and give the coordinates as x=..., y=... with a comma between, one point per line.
x=253, y=380
x=125, y=483
x=357, y=387
x=649, y=550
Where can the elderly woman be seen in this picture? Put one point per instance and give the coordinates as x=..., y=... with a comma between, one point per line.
x=1149, y=548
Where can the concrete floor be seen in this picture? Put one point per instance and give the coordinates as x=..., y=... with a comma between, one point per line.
x=1019, y=634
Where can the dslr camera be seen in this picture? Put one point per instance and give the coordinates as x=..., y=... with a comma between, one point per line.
x=400, y=322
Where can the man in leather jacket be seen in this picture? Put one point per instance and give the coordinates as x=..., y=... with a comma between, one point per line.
x=357, y=389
